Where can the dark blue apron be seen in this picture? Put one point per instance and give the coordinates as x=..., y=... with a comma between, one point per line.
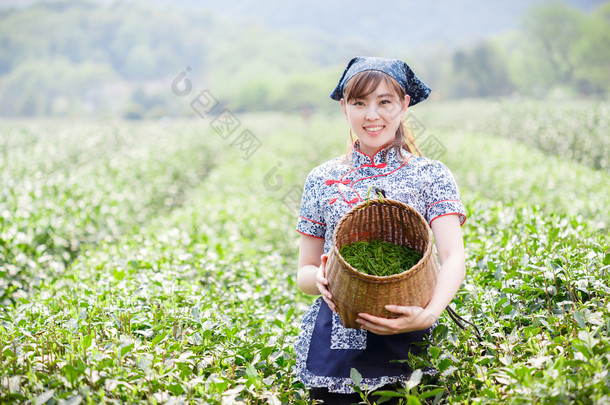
x=372, y=362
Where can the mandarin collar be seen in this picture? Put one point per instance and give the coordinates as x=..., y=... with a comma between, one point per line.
x=384, y=157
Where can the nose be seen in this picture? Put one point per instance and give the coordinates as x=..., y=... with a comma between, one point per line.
x=371, y=113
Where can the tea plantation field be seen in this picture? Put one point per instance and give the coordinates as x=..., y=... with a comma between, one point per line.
x=155, y=262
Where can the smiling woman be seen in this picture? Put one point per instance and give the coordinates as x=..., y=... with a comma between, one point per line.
x=374, y=94
x=374, y=105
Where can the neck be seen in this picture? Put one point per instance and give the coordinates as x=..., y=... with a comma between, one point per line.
x=371, y=151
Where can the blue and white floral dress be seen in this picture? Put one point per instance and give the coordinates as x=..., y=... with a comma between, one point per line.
x=325, y=350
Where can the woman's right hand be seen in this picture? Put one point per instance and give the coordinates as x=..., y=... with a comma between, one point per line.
x=322, y=284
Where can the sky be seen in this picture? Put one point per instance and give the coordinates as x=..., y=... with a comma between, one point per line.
x=397, y=25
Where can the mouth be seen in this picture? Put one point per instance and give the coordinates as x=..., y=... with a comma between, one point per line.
x=374, y=130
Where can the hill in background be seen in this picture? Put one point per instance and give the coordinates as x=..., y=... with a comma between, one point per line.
x=106, y=57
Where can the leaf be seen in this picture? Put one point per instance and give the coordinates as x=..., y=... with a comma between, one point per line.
x=44, y=397
x=289, y=314
x=175, y=388
x=272, y=399
x=431, y=393
x=74, y=400
x=414, y=380
x=449, y=371
x=14, y=384
x=434, y=352
x=440, y=332
x=158, y=338
x=497, y=272
x=71, y=373
x=525, y=259
x=503, y=380
x=87, y=340
x=146, y=333
x=126, y=348
x=444, y=364
x=580, y=319
x=355, y=376
x=392, y=394
x=251, y=372
x=118, y=274
x=144, y=364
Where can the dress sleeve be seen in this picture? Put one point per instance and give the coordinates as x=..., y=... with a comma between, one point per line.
x=442, y=195
x=311, y=217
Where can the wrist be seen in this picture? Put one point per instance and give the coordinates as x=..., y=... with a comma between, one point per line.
x=432, y=315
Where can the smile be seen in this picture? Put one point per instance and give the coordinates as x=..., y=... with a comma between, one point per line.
x=373, y=129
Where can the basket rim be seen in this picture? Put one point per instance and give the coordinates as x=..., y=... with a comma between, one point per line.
x=428, y=253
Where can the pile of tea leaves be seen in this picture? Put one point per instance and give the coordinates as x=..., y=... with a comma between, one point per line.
x=379, y=258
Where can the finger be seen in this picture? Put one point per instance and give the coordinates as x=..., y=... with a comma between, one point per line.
x=372, y=327
x=330, y=304
x=324, y=291
x=403, y=310
x=320, y=277
x=323, y=261
x=370, y=318
x=321, y=274
x=374, y=321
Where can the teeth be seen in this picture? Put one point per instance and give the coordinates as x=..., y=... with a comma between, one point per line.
x=374, y=129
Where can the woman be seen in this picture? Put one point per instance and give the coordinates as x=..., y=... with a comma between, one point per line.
x=374, y=94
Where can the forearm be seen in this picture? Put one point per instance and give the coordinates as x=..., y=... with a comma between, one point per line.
x=306, y=279
x=450, y=279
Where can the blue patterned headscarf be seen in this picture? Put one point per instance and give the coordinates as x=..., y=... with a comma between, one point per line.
x=397, y=69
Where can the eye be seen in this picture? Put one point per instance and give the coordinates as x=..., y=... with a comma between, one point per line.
x=357, y=103
x=385, y=101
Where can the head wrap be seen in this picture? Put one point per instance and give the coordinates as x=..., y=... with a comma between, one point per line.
x=395, y=68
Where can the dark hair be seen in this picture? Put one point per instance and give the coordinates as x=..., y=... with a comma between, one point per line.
x=363, y=84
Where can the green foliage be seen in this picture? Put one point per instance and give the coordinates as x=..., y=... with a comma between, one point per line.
x=56, y=199
x=560, y=52
x=127, y=50
x=151, y=263
x=574, y=131
x=52, y=87
x=379, y=258
x=568, y=48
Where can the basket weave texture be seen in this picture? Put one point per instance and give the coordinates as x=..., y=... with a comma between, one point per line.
x=355, y=292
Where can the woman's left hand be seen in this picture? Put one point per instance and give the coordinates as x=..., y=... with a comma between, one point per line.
x=410, y=319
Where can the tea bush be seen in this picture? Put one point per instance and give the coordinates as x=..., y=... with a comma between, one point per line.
x=156, y=263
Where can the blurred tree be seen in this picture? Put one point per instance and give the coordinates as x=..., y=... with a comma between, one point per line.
x=569, y=49
x=480, y=72
x=35, y=87
x=556, y=30
x=300, y=91
x=254, y=95
x=592, y=74
x=58, y=57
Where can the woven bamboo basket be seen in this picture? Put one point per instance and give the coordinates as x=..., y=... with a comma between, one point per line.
x=355, y=292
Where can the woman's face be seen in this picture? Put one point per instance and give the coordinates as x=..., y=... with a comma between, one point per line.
x=375, y=118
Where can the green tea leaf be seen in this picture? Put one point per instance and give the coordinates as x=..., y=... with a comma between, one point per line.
x=44, y=397
x=379, y=258
x=580, y=319
x=355, y=376
x=414, y=380
x=87, y=340
x=158, y=338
